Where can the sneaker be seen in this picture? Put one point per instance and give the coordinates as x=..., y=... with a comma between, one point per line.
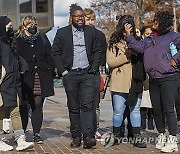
x=170, y=145
x=22, y=144
x=37, y=139
x=5, y=147
x=161, y=140
x=98, y=136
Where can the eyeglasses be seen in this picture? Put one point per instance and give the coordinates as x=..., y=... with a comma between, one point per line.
x=78, y=16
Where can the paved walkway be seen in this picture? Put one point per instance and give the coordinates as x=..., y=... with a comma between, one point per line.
x=56, y=135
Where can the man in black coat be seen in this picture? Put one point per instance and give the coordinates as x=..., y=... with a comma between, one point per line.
x=90, y=18
x=76, y=53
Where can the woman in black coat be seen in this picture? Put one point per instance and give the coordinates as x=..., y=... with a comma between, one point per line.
x=37, y=83
x=11, y=66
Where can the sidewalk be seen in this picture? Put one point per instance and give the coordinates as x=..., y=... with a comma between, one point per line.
x=56, y=135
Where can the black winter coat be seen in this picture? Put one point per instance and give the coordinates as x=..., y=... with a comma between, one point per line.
x=39, y=60
x=10, y=82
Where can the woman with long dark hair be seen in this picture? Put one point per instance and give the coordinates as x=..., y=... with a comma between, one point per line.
x=126, y=80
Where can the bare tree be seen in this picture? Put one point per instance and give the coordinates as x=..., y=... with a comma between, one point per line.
x=142, y=10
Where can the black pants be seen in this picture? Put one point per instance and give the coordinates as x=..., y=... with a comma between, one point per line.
x=163, y=94
x=79, y=87
x=36, y=105
x=146, y=114
x=96, y=101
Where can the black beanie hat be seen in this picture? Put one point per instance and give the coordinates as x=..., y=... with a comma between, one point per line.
x=6, y=20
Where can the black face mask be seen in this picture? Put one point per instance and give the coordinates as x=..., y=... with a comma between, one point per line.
x=10, y=32
x=32, y=29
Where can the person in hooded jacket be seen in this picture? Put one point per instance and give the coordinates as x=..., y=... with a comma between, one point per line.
x=11, y=66
x=37, y=83
x=161, y=64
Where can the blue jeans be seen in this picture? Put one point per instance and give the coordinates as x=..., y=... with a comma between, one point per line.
x=118, y=103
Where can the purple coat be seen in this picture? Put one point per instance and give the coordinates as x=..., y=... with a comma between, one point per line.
x=157, y=54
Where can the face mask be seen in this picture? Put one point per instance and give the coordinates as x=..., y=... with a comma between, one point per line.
x=10, y=32
x=32, y=30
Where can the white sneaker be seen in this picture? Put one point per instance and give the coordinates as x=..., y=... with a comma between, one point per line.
x=6, y=125
x=161, y=140
x=170, y=145
x=98, y=136
x=5, y=147
x=22, y=144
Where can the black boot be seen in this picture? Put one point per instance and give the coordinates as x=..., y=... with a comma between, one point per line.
x=130, y=131
x=138, y=139
x=122, y=130
x=117, y=135
x=129, y=128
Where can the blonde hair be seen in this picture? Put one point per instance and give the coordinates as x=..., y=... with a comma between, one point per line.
x=89, y=13
x=26, y=21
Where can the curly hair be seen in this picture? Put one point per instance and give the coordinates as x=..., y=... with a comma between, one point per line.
x=165, y=20
x=73, y=8
x=118, y=34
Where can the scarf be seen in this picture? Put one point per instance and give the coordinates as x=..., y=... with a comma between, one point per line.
x=30, y=39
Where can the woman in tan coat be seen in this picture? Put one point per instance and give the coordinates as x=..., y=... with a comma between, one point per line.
x=125, y=90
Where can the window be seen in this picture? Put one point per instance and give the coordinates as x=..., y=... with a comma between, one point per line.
x=25, y=6
x=41, y=6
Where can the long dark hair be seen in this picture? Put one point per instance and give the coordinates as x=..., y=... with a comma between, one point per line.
x=118, y=34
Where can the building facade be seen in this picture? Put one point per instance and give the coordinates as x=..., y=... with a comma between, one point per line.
x=17, y=9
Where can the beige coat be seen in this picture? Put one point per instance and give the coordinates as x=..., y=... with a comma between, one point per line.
x=3, y=73
x=122, y=68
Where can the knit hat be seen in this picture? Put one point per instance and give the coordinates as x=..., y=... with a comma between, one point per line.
x=6, y=20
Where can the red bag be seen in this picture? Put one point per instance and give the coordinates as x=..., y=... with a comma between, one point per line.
x=101, y=83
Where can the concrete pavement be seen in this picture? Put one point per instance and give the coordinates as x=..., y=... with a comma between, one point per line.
x=56, y=135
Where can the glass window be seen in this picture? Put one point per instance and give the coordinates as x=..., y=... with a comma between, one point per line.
x=42, y=21
x=9, y=7
x=25, y=6
x=41, y=6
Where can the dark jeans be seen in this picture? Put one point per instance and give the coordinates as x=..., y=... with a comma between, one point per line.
x=163, y=94
x=146, y=114
x=79, y=87
x=36, y=105
x=96, y=101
